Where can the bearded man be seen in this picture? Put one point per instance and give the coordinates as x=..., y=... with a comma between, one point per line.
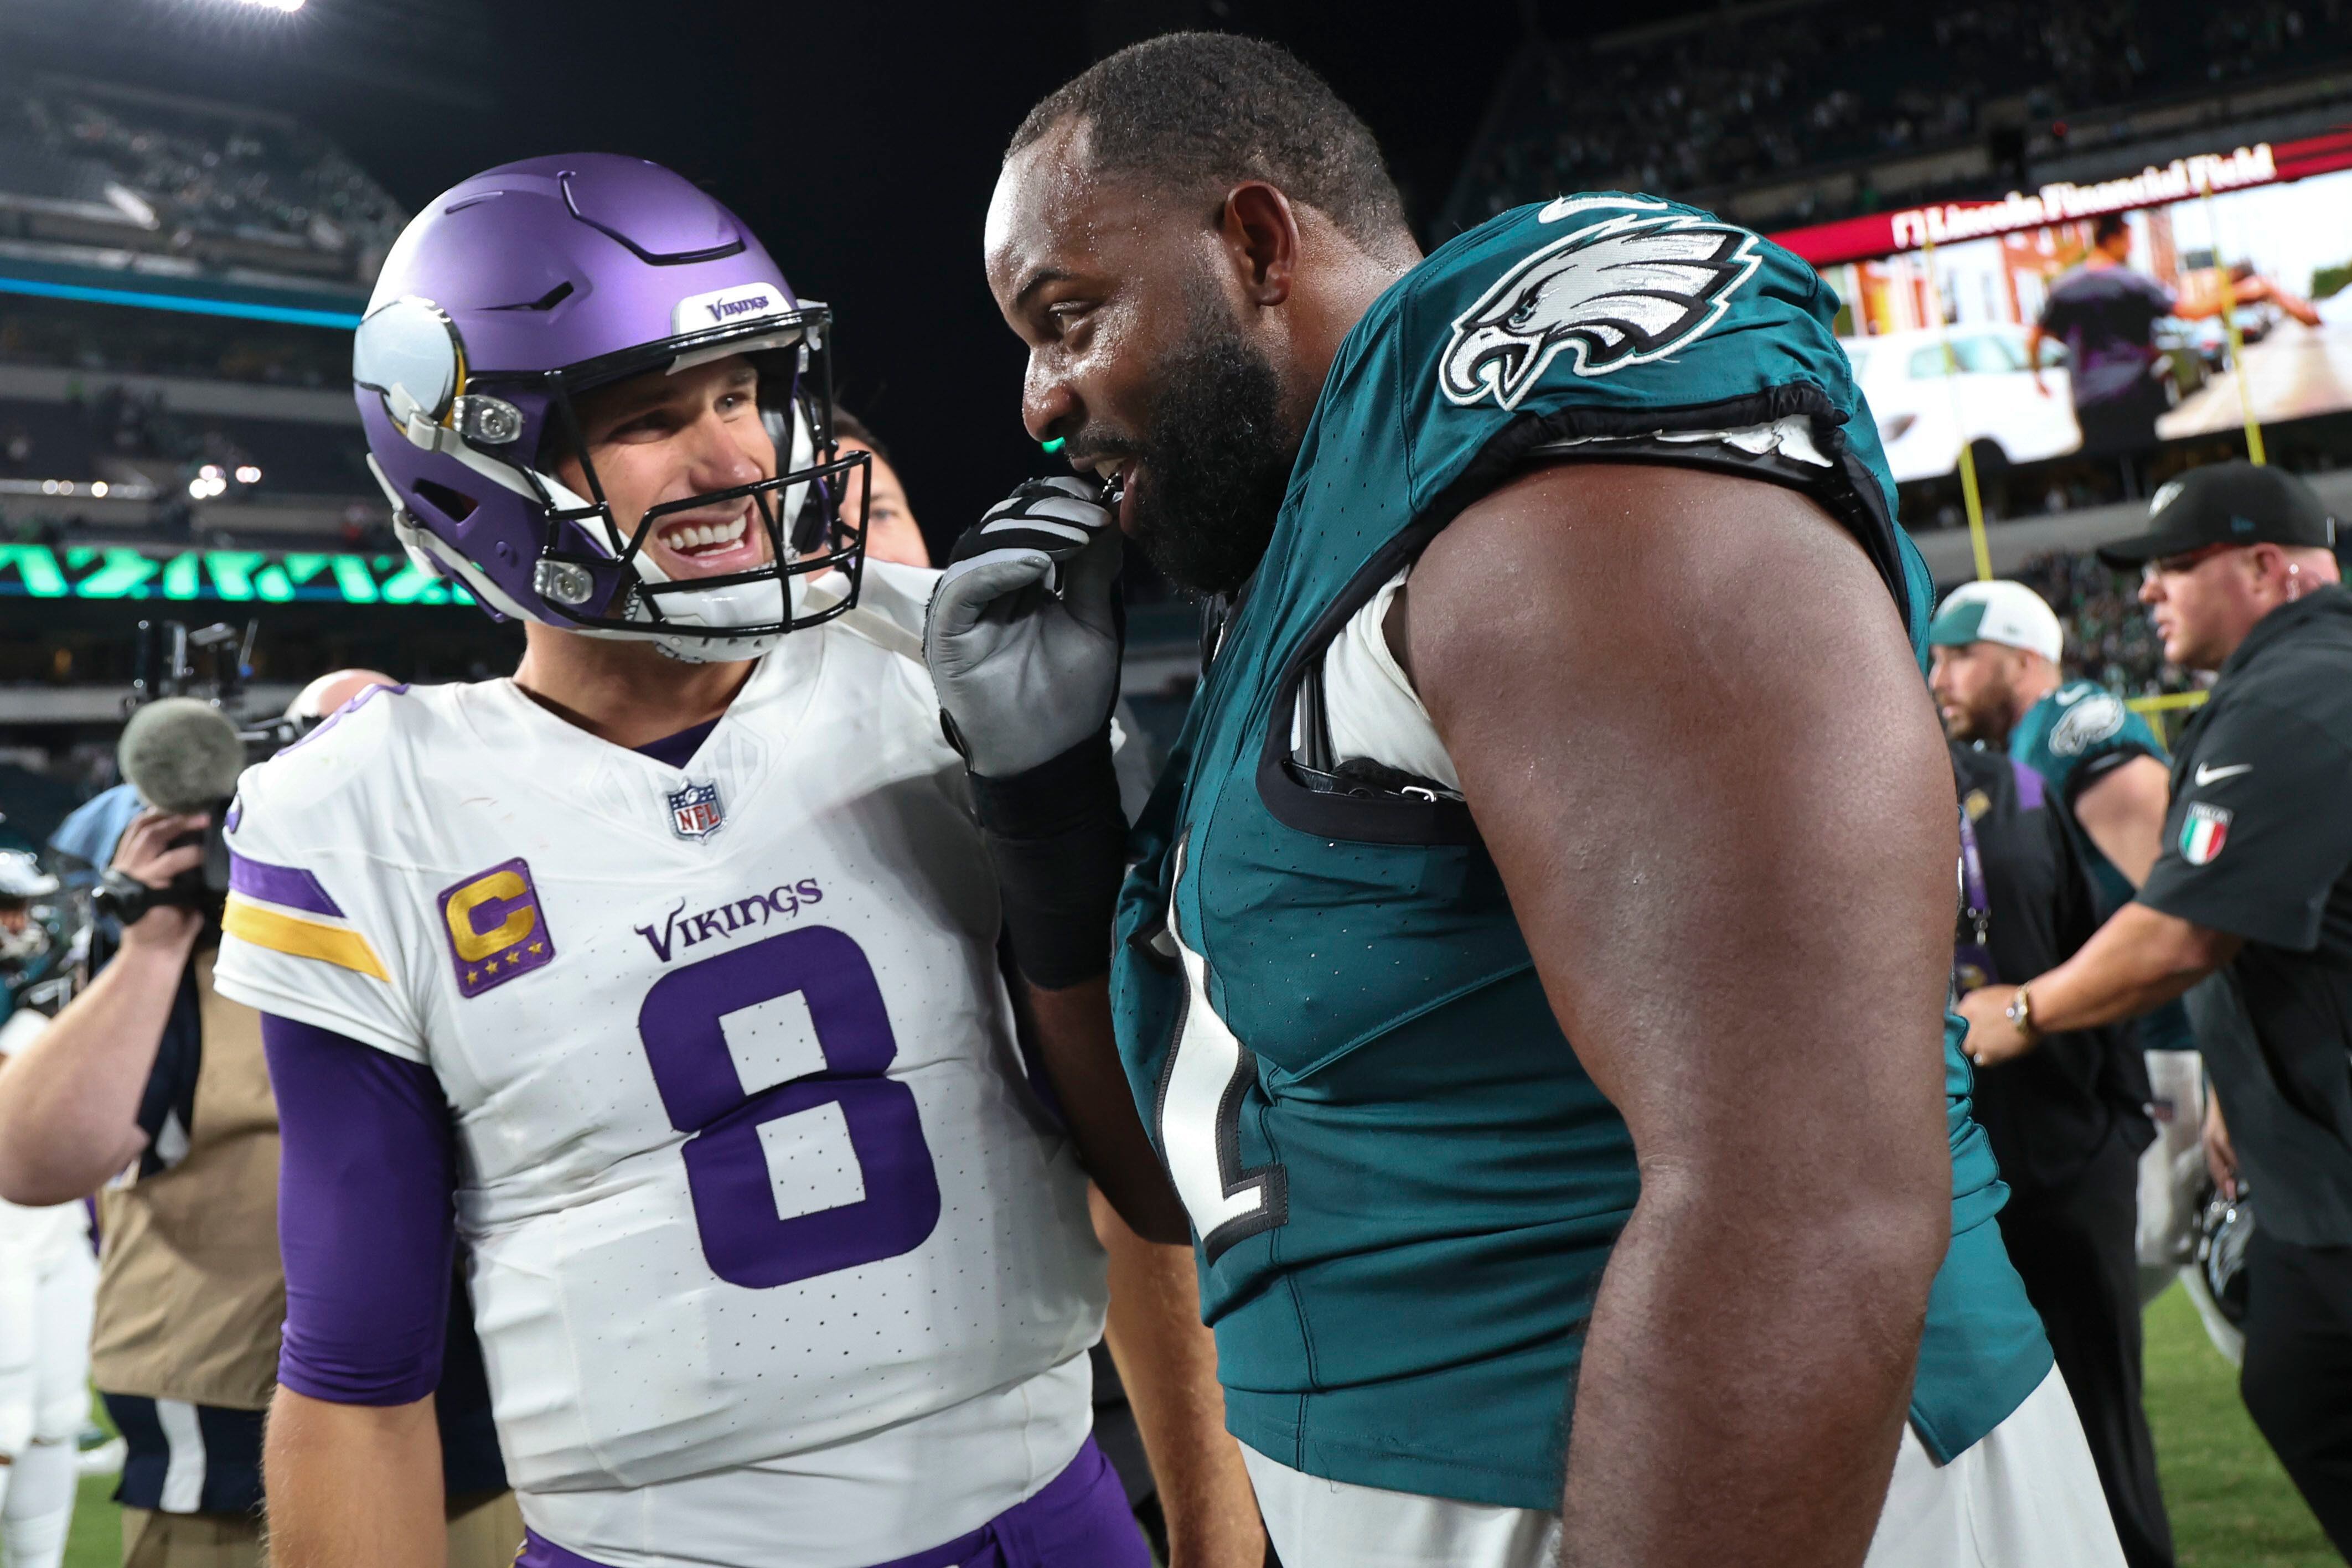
x=1532, y=977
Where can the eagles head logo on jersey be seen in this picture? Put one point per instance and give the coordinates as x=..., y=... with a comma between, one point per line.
x=1619, y=293
x=2091, y=718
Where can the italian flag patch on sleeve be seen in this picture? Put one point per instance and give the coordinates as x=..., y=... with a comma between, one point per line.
x=2203, y=834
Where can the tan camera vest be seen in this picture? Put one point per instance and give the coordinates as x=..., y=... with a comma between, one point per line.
x=191, y=1294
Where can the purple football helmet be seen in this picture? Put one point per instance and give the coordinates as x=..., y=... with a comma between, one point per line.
x=516, y=291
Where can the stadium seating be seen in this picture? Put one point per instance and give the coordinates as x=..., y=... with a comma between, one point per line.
x=2108, y=638
x=225, y=186
x=1758, y=93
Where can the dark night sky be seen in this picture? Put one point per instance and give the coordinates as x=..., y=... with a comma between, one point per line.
x=859, y=140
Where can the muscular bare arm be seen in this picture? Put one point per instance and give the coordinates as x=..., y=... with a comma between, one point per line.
x=353, y=1486
x=1080, y=1058
x=2123, y=811
x=70, y=1102
x=1168, y=1360
x=1692, y=733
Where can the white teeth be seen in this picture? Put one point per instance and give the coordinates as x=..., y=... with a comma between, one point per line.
x=700, y=536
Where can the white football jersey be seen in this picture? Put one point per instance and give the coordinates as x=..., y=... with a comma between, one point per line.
x=750, y=1163
x=44, y=1233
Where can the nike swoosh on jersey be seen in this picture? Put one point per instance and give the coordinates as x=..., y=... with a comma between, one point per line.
x=2207, y=774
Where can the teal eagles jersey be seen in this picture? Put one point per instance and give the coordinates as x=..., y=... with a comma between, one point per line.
x=1404, y=1185
x=2071, y=737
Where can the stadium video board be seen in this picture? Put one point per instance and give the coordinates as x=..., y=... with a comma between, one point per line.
x=2088, y=319
x=219, y=576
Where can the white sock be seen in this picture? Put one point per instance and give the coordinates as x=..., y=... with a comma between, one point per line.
x=38, y=1509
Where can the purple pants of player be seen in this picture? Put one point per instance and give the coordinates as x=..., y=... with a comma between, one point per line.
x=1079, y=1519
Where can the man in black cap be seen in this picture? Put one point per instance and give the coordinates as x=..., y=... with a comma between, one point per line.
x=2254, y=890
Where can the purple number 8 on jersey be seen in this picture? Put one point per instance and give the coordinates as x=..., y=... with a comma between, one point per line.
x=745, y=1239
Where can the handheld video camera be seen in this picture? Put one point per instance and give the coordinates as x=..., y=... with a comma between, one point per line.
x=183, y=748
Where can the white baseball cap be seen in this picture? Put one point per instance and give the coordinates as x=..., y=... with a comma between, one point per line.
x=2009, y=614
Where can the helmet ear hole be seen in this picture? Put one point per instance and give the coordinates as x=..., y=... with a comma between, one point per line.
x=454, y=504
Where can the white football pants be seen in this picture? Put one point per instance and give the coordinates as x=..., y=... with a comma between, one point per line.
x=48, y=1281
x=2024, y=1497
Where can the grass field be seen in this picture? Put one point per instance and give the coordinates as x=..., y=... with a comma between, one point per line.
x=2231, y=1505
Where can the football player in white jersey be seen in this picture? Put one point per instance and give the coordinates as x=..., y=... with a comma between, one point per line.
x=664, y=974
x=49, y=1273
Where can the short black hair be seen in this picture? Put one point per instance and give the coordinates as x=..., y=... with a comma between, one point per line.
x=2109, y=226
x=847, y=426
x=1212, y=109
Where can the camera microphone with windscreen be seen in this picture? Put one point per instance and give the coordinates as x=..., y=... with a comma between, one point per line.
x=182, y=755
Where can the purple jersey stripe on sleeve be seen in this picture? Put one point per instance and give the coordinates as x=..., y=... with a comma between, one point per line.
x=367, y=1171
x=289, y=887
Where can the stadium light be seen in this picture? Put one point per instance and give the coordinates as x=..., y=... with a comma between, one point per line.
x=288, y=6
x=249, y=474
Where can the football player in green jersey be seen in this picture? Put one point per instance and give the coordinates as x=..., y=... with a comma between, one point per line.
x=1996, y=648
x=1533, y=971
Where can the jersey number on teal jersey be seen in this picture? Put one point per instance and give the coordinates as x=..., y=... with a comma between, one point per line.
x=1198, y=1119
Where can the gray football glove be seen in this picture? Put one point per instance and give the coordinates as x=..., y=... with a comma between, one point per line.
x=1024, y=630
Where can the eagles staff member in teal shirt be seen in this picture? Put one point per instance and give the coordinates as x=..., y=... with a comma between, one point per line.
x=1720, y=860
x=2253, y=889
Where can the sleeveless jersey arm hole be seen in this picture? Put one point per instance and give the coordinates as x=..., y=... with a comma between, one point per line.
x=365, y=1219
x=1372, y=709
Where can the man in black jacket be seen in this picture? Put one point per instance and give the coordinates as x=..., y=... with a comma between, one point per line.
x=2067, y=1122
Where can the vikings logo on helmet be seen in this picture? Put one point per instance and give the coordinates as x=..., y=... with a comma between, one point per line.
x=1620, y=293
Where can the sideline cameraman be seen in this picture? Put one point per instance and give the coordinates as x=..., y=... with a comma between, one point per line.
x=152, y=1085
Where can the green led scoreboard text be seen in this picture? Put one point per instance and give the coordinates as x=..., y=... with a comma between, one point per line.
x=221, y=575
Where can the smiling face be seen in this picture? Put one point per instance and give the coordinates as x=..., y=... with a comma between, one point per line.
x=1140, y=358
x=658, y=438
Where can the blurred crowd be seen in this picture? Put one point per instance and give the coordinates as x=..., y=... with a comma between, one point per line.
x=1738, y=101
x=2108, y=638
x=191, y=171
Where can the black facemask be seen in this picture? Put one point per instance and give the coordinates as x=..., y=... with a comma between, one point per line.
x=1219, y=460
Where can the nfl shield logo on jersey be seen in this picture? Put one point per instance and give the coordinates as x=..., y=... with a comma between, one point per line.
x=695, y=811
x=2204, y=833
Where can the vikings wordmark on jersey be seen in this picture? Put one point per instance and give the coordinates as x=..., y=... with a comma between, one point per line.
x=751, y=1163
